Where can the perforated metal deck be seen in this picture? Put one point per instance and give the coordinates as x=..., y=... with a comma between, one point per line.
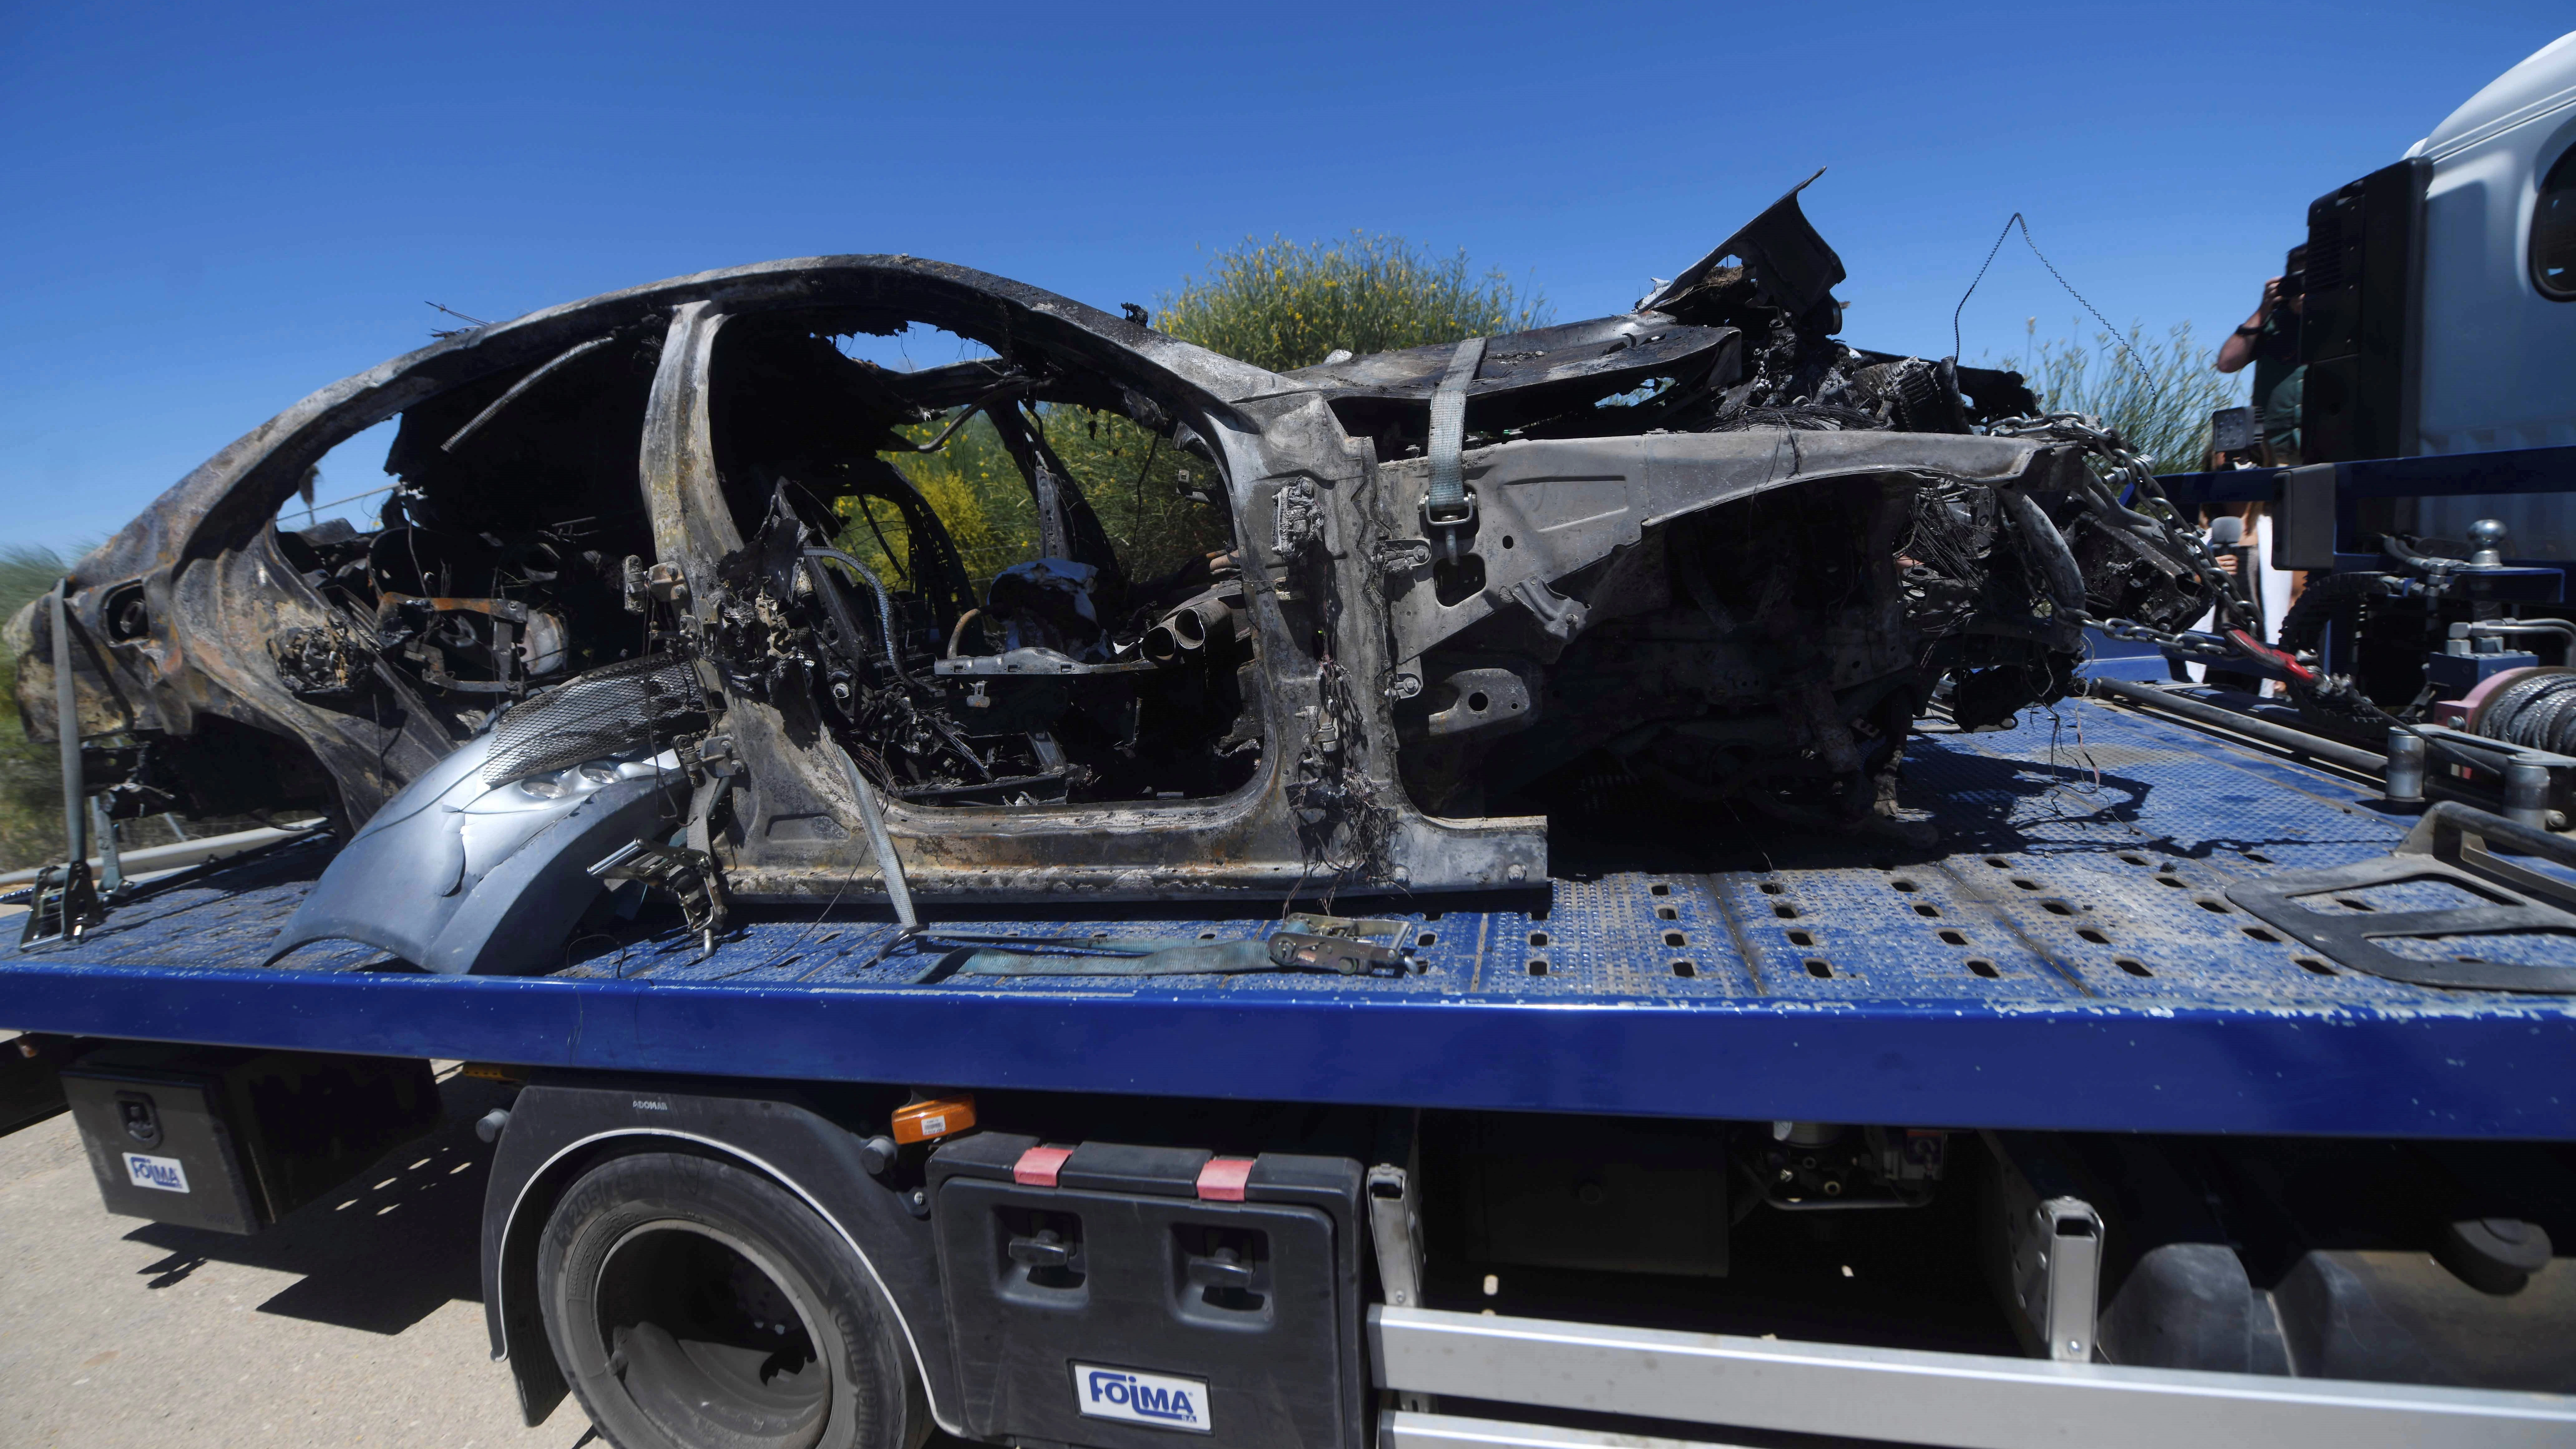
x=2066, y=957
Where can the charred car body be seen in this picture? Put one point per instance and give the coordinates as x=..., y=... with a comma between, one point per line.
x=1701, y=556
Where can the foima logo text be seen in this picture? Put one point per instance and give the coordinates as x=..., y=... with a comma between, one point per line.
x=1168, y=1403
x=164, y=1173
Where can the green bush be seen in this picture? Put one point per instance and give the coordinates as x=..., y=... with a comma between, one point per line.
x=31, y=775
x=1131, y=478
x=1280, y=306
x=976, y=490
x=1285, y=305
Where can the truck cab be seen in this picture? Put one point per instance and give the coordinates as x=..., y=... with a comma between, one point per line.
x=2499, y=284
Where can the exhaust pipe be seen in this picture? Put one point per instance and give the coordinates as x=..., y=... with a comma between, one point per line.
x=1191, y=627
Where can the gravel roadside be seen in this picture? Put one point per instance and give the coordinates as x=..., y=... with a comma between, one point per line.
x=358, y=1320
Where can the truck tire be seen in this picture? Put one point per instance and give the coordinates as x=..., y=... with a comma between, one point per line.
x=694, y=1304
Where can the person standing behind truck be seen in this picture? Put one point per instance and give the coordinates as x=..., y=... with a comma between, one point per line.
x=2270, y=341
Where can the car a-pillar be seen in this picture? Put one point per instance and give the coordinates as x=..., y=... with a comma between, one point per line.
x=705, y=1267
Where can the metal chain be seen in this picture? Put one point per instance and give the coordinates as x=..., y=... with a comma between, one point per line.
x=2184, y=544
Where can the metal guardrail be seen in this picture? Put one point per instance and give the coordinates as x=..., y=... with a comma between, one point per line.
x=182, y=854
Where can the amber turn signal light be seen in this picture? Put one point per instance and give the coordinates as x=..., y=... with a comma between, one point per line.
x=931, y=1120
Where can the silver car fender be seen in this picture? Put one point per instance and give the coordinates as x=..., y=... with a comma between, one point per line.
x=459, y=876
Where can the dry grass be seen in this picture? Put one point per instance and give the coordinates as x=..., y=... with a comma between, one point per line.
x=2157, y=394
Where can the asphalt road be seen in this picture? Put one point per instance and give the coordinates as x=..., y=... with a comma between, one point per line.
x=358, y=1320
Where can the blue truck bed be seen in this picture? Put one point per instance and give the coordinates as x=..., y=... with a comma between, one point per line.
x=2064, y=959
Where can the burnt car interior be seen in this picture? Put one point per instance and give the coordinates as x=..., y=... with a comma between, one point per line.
x=517, y=553
x=507, y=559
x=1063, y=677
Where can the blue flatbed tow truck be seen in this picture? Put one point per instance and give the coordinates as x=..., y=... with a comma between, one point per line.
x=2068, y=960
x=1292, y=1207
x=2200, y=1068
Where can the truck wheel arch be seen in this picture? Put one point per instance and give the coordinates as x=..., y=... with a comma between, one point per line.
x=522, y=1195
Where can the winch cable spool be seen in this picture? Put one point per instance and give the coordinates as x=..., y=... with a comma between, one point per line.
x=2533, y=708
x=2536, y=711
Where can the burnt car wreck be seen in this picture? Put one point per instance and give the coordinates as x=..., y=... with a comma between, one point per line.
x=1700, y=558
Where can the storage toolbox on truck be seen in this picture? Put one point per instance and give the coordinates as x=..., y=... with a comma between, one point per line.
x=1234, y=1279
x=233, y=1140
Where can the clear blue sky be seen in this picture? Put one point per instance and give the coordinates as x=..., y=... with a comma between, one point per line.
x=211, y=211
